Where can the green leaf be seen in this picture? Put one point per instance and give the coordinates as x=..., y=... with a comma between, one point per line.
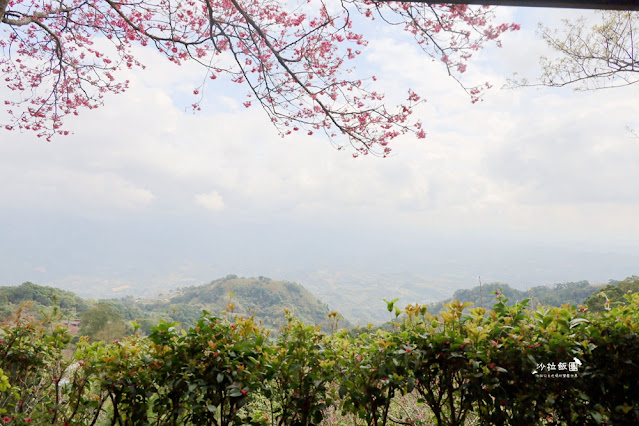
x=389, y=305
x=576, y=321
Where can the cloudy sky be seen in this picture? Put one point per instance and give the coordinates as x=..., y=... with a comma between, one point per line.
x=530, y=186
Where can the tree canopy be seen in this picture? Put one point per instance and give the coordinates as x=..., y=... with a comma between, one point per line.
x=295, y=60
x=572, y=293
x=613, y=295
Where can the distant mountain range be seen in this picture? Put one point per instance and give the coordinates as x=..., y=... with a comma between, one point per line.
x=572, y=293
x=267, y=299
x=262, y=296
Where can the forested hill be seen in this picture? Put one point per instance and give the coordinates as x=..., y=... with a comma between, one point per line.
x=613, y=294
x=111, y=318
x=40, y=296
x=264, y=297
x=573, y=293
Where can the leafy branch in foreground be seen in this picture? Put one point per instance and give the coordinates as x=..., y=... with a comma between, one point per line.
x=507, y=365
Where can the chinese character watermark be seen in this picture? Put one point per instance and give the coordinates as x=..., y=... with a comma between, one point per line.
x=558, y=370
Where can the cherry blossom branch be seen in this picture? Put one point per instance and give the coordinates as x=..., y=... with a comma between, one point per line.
x=294, y=65
x=294, y=76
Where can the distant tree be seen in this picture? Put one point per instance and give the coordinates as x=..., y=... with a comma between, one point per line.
x=44, y=296
x=128, y=312
x=613, y=295
x=476, y=294
x=101, y=320
x=5, y=311
x=572, y=293
x=185, y=314
x=111, y=331
x=146, y=324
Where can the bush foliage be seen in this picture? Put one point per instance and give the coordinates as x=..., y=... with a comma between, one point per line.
x=507, y=365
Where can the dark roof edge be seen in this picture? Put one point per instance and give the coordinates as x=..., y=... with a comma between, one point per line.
x=568, y=4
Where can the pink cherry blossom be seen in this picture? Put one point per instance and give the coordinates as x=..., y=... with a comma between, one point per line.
x=295, y=62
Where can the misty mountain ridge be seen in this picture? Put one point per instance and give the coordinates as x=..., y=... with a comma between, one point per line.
x=262, y=297
x=267, y=299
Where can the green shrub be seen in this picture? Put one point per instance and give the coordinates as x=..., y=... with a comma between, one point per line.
x=508, y=365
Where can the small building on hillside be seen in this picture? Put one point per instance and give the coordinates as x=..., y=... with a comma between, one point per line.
x=73, y=326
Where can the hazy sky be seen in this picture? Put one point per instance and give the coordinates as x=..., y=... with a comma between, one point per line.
x=531, y=186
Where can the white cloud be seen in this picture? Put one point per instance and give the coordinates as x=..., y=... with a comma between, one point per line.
x=60, y=189
x=536, y=162
x=212, y=201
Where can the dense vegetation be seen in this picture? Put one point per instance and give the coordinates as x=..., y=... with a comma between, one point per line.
x=40, y=297
x=612, y=295
x=108, y=319
x=508, y=365
x=572, y=293
x=262, y=296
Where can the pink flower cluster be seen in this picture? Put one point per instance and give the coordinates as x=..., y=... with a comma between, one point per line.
x=295, y=65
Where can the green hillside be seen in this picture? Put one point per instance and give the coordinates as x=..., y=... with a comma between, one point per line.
x=572, y=293
x=40, y=297
x=612, y=295
x=267, y=299
x=264, y=297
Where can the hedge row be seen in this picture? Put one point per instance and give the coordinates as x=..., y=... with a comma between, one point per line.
x=508, y=365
